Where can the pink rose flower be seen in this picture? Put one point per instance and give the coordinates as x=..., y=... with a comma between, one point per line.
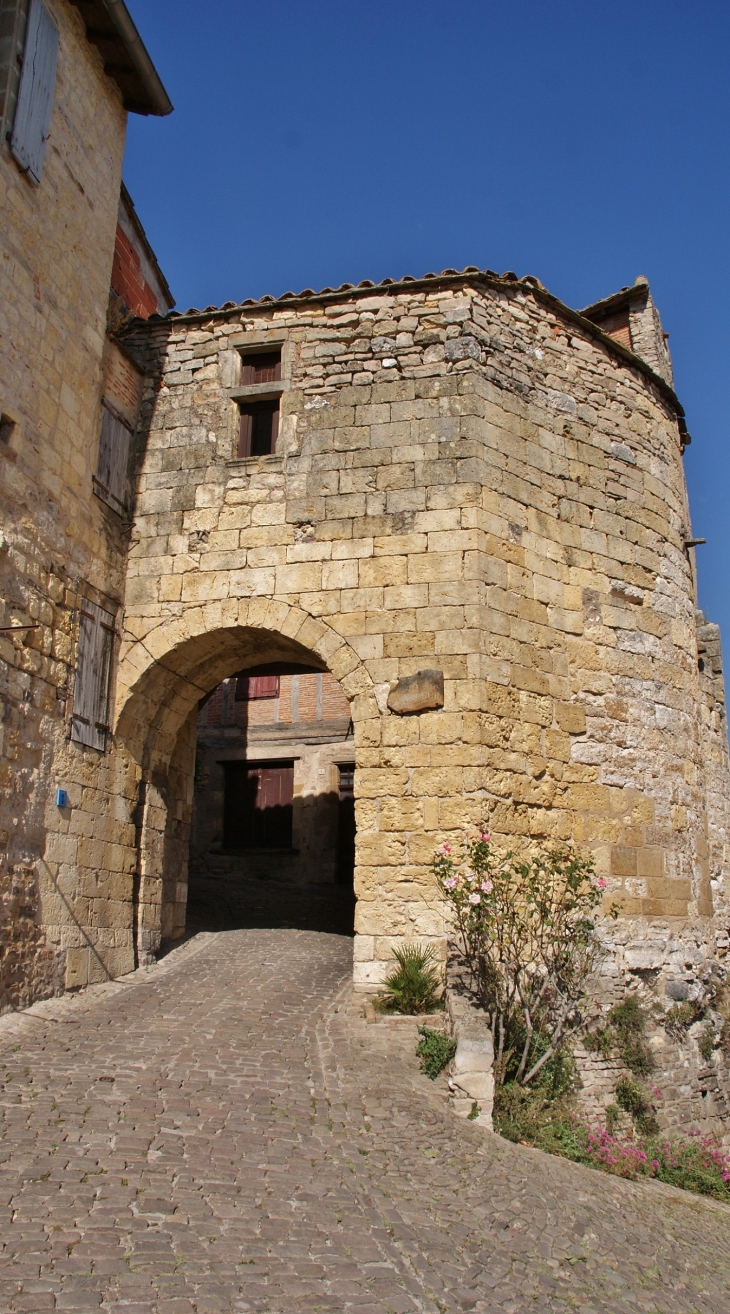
x=475, y=898
x=445, y=848
x=601, y=883
x=451, y=882
x=485, y=836
x=486, y=887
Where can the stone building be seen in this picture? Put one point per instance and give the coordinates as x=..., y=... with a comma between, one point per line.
x=457, y=476
x=69, y=74
x=454, y=499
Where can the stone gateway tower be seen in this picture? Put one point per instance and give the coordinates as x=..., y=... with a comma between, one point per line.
x=466, y=502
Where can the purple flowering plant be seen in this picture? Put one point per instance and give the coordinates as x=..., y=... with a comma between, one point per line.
x=695, y=1162
x=526, y=927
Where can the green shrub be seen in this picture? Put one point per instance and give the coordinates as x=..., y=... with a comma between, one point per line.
x=415, y=985
x=624, y=1034
x=706, y=1042
x=628, y=1020
x=679, y=1018
x=435, y=1050
x=526, y=1115
x=694, y=1163
x=631, y=1096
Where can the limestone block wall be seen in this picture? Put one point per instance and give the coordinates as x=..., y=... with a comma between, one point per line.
x=472, y=478
x=63, y=880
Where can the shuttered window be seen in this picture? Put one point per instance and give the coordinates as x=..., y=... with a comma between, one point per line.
x=263, y=368
x=259, y=429
x=258, y=805
x=90, y=721
x=249, y=687
x=35, y=93
x=13, y=20
x=110, y=480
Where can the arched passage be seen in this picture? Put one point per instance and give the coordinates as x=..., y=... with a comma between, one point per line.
x=156, y=730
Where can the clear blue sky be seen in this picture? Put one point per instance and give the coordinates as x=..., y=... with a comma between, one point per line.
x=317, y=142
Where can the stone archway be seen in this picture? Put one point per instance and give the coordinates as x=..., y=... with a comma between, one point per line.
x=161, y=681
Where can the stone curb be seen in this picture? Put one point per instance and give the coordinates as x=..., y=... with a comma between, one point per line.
x=471, y=1082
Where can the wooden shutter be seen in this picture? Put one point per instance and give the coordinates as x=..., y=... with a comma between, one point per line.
x=35, y=94
x=90, y=723
x=249, y=687
x=258, y=805
x=110, y=480
x=259, y=428
x=244, y=433
x=263, y=368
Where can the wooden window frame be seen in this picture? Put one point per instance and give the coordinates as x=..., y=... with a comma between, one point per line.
x=248, y=438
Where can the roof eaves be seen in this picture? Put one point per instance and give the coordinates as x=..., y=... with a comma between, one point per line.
x=449, y=278
x=111, y=28
x=617, y=301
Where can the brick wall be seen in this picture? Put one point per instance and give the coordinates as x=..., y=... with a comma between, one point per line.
x=128, y=281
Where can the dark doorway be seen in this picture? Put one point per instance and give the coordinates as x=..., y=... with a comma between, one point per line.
x=346, y=825
x=258, y=805
x=273, y=829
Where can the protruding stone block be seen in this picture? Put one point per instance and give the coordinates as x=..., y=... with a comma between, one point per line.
x=421, y=692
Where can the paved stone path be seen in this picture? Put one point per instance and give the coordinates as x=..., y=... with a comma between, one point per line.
x=224, y=1132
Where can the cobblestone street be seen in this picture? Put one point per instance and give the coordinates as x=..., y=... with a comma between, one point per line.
x=224, y=1132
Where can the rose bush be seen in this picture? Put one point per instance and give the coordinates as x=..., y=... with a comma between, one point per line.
x=526, y=928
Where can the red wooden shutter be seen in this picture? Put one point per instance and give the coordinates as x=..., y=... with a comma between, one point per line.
x=263, y=686
x=244, y=432
x=258, y=805
x=256, y=686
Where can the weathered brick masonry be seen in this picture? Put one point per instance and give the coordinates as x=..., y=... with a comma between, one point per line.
x=469, y=477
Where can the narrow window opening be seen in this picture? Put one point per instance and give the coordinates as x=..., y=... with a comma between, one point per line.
x=7, y=427
x=346, y=824
x=262, y=368
x=259, y=428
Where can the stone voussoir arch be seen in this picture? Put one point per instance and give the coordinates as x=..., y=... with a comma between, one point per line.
x=178, y=661
x=161, y=680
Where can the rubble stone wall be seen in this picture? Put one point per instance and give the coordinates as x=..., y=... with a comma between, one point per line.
x=468, y=478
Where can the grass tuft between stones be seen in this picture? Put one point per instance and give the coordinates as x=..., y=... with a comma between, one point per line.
x=434, y=1050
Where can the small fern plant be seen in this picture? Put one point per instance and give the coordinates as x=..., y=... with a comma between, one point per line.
x=415, y=985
